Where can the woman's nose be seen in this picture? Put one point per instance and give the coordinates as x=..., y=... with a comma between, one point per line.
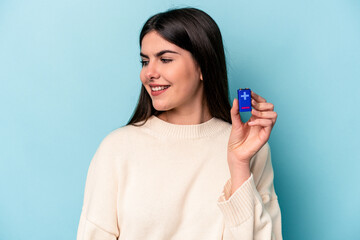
x=152, y=71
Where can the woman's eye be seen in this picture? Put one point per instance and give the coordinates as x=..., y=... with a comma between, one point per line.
x=164, y=60
x=144, y=63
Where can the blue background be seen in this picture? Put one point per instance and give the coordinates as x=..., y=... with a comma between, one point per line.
x=69, y=74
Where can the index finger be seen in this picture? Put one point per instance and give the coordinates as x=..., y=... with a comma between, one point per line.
x=257, y=98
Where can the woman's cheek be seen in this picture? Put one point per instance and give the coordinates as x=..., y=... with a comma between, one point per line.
x=142, y=77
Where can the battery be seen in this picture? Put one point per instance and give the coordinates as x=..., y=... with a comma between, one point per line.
x=244, y=96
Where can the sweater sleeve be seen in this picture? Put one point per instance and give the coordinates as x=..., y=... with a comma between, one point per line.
x=98, y=218
x=253, y=212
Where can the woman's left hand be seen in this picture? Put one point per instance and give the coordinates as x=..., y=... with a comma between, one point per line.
x=246, y=139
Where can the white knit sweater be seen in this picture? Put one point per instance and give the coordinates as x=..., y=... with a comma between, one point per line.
x=164, y=181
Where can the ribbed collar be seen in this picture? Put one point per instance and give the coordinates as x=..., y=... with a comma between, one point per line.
x=209, y=128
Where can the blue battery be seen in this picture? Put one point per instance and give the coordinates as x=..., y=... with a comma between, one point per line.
x=244, y=96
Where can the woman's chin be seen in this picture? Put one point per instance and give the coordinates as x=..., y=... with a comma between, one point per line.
x=161, y=107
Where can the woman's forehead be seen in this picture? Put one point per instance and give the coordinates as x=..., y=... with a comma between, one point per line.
x=153, y=43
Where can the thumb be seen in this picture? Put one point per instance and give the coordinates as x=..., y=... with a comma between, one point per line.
x=235, y=116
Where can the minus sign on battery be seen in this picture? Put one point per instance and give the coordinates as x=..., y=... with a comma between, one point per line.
x=245, y=107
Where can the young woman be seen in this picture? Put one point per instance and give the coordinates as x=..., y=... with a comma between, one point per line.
x=185, y=166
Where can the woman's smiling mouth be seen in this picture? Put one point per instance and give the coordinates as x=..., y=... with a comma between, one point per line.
x=158, y=89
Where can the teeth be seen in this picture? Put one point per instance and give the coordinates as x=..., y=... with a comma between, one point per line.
x=158, y=88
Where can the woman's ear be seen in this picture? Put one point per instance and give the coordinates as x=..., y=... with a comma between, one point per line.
x=199, y=71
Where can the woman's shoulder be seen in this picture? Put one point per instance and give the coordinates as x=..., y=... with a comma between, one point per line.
x=121, y=134
x=119, y=139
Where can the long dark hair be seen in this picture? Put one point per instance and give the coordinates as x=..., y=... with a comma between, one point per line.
x=195, y=31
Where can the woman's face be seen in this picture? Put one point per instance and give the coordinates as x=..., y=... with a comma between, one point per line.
x=170, y=75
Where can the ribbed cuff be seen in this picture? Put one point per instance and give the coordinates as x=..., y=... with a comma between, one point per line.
x=240, y=206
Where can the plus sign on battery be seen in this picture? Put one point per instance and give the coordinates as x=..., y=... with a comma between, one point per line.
x=245, y=95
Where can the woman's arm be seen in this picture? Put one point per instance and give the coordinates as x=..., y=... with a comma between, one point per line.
x=99, y=213
x=252, y=211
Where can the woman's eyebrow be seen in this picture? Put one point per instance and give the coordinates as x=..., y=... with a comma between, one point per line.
x=159, y=53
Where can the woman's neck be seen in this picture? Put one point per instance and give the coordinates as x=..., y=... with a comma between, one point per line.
x=186, y=117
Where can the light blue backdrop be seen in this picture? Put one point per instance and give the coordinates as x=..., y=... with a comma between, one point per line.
x=69, y=74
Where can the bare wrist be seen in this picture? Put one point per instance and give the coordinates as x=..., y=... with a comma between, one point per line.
x=238, y=177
